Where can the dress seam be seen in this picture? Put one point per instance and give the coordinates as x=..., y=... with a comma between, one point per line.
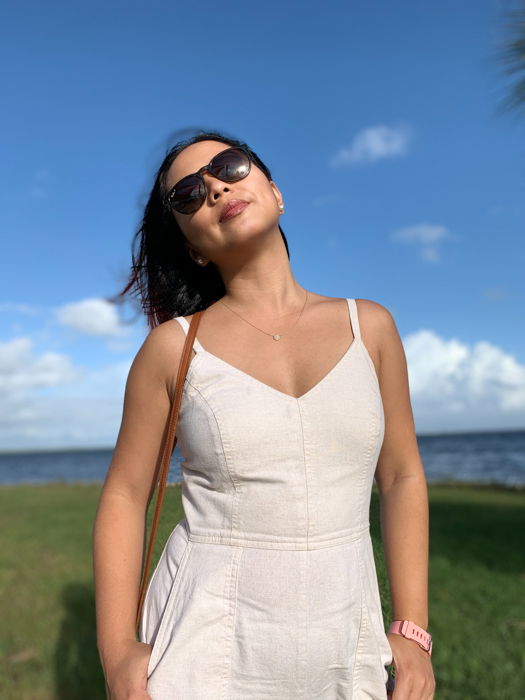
x=362, y=629
x=232, y=584
x=370, y=553
x=170, y=602
x=306, y=478
x=272, y=544
x=230, y=472
x=367, y=461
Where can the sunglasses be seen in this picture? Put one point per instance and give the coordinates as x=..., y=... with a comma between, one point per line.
x=188, y=194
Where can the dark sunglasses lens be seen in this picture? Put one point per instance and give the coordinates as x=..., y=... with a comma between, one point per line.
x=230, y=166
x=188, y=195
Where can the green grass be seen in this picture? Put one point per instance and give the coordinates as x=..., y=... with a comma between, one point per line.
x=47, y=636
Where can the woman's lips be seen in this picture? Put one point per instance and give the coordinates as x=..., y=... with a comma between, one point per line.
x=233, y=209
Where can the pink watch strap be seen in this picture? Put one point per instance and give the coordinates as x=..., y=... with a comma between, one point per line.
x=410, y=630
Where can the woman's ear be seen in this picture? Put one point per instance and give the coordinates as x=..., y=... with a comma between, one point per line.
x=278, y=195
x=195, y=256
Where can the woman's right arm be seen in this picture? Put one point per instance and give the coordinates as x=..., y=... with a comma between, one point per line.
x=120, y=523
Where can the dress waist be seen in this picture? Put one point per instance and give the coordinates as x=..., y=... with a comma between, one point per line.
x=280, y=542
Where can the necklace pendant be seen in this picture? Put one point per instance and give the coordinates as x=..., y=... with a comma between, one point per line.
x=276, y=337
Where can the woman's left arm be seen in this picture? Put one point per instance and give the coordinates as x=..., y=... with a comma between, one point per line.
x=403, y=497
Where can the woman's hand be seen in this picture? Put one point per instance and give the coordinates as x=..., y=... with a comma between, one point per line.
x=126, y=677
x=414, y=677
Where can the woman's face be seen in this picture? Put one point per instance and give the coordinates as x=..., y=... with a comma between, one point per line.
x=206, y=234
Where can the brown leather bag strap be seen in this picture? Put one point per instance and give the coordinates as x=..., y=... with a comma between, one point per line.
x=169, y=446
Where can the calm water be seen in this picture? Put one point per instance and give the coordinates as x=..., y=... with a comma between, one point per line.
x=490, y=457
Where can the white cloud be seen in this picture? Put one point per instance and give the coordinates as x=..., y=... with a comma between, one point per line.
x=455, y=386
x=92, y=316
x=21, y=370
x=374, y=143
x=426, y=237
x=60, y=422
x=47, y=402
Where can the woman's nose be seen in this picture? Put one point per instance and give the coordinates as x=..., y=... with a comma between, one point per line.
x=214, y=186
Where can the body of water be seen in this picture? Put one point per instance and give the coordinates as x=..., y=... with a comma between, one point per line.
x=486, y=457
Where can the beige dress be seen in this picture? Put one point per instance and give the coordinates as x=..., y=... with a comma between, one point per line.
x=267, y=588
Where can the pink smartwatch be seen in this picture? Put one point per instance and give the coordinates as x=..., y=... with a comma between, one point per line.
x=409, y=629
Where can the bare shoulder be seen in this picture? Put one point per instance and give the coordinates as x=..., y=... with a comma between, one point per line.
x=373, y=316
x=162, y=350
x=376, y=322
x=165, y=339
x=378, y=331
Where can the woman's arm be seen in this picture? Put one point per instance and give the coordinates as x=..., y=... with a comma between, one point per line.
x=119, y=528
x=404, y=514
x=402, y=486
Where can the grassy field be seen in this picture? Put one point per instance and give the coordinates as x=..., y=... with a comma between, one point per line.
x=47, y=633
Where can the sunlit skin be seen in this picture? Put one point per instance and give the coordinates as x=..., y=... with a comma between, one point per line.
x=249, y=252
x=232, y=243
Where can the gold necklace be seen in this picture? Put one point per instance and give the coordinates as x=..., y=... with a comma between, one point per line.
x=275, y=336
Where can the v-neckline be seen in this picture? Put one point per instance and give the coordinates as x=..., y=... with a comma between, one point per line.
x=270, y=388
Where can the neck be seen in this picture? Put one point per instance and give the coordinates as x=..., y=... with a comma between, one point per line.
x=264, y=284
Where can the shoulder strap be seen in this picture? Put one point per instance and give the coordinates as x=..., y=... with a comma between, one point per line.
x=167, y=451
x=185, y=327
x=354, y=318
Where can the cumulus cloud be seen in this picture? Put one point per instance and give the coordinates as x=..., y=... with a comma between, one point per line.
x=455, y=386
x=92, y=316
x=21, y=370
x=48, y=402
x=426, y=237
x=373, y=144
x=45, y=401
x=58, y=422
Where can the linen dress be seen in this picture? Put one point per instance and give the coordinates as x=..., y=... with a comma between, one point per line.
x=267, y=588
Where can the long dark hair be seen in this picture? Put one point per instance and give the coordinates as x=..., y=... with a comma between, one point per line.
x=163, y=275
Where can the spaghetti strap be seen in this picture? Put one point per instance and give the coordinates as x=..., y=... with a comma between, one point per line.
x=354, y=318
x=186, y=327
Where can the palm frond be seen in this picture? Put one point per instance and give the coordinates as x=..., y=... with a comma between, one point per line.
x=512, y=58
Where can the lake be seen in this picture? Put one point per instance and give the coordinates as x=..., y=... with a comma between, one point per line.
x=496, y=457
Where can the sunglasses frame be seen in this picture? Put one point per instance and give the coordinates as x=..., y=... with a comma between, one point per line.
x=206, y=168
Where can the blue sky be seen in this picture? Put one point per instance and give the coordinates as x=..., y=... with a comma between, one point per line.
x=401, y=181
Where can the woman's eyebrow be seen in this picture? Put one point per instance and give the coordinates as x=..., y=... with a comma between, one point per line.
x=182, y=177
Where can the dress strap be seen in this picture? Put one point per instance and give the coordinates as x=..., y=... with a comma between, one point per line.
x=186, y=327
x=354, y=320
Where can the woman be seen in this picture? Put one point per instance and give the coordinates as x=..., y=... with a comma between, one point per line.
x=293, y=403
